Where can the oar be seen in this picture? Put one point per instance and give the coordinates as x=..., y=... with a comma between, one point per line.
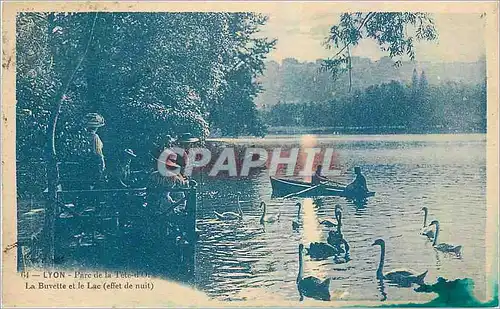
x=303, y=191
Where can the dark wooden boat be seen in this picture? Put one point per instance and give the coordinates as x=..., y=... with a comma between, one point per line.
x=288, y=187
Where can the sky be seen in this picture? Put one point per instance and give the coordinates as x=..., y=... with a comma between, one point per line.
x=460, y=37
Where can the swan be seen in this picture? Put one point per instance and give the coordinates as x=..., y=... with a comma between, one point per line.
x=346, y=258
x=321, y=250
x=401, y=277
x=342, y=259
x=311, y=286
x=268, y=218
x=338, y=216
x=231, y=215
x=426, y=230
x=337, y=241
x=335, y=237
x=444, y=247
x=295, y=223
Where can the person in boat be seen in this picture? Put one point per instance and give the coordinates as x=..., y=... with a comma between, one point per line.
x=358, y=186
x=94, y=156
x=317, y=178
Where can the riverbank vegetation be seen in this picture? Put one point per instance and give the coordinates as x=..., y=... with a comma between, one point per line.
x=152, y=74
x=148, y=74
x=391, y=107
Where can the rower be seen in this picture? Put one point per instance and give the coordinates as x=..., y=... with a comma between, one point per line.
x=317, y=178
x=358, y=186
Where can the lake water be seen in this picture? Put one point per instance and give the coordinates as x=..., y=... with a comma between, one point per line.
x=243, y=260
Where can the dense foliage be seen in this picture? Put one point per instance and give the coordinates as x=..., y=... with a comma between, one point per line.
x=295, y=82
x=148, y=74
x=394, y=32
x=416, y=107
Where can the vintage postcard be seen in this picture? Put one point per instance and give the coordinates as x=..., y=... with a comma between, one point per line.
x=232, y=153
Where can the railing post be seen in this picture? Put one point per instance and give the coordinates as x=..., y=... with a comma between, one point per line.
x=50, y=213
x=192, y=236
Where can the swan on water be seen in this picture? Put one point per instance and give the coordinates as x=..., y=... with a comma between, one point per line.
x=427, y=229
x=231, y=215
x=268, y=218
x=337, y=241
x=444, y=247
x=338, y=216
x=295, y=223
x=343, y=259
x=400, y=277
x=321, y=250
x=335, y=237
x=311, y=287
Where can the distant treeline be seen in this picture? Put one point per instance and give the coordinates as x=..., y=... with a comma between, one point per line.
x=390, y=108
x=295, y=82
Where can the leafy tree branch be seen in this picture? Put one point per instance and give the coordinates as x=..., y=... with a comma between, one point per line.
x=394, y=32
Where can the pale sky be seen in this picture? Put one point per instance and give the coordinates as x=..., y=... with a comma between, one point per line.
x=460, y=37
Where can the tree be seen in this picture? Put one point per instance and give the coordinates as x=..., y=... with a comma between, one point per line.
x=244, y=64
x=414, y=80
x=423, y=85
x=447, y=106
x=148, y=74
x=394, y=32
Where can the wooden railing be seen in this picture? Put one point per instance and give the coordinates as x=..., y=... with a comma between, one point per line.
x=102, y=217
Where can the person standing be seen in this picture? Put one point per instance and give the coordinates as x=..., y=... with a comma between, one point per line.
x=185, y=141
x=94, y=155
x=161, y=185
x=158, y=148
x=123, y=171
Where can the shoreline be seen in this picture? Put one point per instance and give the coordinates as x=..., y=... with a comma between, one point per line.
x=415, y=137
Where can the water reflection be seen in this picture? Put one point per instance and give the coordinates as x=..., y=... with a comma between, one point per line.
x=318, y=202
x=360, y=207
x=360, y=204
x=297, y=223
x=438, y=260
x=241, y=261
x=311, y=232
x=381, y=288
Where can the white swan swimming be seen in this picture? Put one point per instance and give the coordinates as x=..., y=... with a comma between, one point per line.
x=268, y=218
x=231, y=215
x=444, y=247
x=311, y=287
x=338, y=216
x=401, y=277
x=427, y=229
x=296, y=223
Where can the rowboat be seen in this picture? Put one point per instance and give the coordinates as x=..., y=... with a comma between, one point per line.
x=288, y=187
